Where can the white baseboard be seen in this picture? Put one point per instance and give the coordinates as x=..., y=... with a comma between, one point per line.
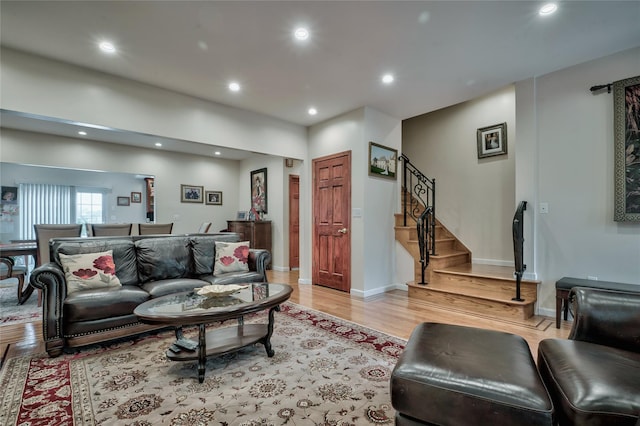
x=304, y=281
x=546, y=312
x=530, y=276
x=280, y=268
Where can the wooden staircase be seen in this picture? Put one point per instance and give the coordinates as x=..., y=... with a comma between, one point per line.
x=454, y=283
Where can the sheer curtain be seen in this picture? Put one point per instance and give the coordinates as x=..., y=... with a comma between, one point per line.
x=43, y=203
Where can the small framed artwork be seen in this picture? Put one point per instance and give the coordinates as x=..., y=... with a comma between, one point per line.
x=382, y=161
x=213, y=198
x=492, y=140
x=136, y=197
x=10, y=195
x=191, y=194
x=259, y=190
x=242, y=215
x=123, y=201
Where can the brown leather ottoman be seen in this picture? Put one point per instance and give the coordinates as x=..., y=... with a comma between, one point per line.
x=454, y=375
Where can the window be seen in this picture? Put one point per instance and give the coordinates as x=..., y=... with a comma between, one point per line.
x=90, y=206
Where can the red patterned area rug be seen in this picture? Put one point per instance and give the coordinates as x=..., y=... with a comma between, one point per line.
x=325, y=371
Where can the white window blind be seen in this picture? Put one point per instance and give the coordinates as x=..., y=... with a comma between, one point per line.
x=43, y=203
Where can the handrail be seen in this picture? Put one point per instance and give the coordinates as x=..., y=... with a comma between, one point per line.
x=518, y=246
x=419, y=202
x=423, y=238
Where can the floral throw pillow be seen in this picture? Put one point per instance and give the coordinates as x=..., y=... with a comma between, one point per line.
x=89, y=270
x=231, y=257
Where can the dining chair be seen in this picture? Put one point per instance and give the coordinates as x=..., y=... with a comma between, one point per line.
x=45, y=232
x=111, y=229
x=154, y=228
x=204, y=228
x=8, y=270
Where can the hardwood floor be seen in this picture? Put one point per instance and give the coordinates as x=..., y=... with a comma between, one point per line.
x=392, y=312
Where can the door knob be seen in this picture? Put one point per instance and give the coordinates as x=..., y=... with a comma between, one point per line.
x=342, y=231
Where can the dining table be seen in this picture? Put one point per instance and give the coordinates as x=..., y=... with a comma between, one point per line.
x=21, y=248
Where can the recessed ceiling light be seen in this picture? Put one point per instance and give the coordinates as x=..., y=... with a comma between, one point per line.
x=107, y=47
x=234, y=86
x=158, y=144
x=388, y=78
x=548, y=9
x=312, y=111
x=301, y=33
x=82, y=133
x=217, y=153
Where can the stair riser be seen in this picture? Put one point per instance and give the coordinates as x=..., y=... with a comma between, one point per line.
x=494, y=309
x=441, y=263
x=473, y=284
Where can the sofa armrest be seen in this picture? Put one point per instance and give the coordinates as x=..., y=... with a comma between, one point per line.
x=51, y=280
x=259, y=261
x=606, y=317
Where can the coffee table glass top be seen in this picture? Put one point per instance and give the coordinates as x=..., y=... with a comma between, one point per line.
x=191, y=305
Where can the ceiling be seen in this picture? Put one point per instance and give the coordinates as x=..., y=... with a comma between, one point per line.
x=440, y=52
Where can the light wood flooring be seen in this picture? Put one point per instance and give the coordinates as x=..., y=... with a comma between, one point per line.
x=392, y=313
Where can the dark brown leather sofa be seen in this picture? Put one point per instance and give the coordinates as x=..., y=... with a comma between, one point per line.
x=594, y=375
x=147, y=267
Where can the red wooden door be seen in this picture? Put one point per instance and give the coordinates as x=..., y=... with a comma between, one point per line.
x=331, y=221
x=294, y=222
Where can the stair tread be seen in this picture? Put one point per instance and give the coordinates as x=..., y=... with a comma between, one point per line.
x=482, y=295
x=505, y=273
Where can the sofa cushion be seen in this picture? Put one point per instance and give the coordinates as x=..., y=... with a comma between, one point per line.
x=163, y=258
x=204, y=249
x=231, y=257
x=103, y=303
x=590, y=383
x=124, y=255
x=89, y=270
x=176, y=285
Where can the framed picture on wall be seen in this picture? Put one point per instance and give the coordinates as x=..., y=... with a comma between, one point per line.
x=123, y=201
x=492, y=140
x=136, y=197
x=191, y=194
x=259, y=190
x=213, y=198
x=9, y=195
x=382, y=161
x=626, y=122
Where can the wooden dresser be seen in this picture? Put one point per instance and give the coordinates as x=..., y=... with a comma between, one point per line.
x=258, y=233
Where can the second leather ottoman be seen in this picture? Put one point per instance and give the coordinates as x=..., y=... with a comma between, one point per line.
x=455, y=375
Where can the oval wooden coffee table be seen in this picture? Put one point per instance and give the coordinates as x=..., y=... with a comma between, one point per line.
x=191, y=309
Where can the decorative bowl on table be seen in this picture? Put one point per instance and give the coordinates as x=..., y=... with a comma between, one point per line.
x=217, y=290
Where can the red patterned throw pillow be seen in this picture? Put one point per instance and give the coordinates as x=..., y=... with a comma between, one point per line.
x=231, y=257
x=89, y=270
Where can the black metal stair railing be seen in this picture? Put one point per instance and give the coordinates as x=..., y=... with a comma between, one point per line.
x=419, y=203
x=518, y=246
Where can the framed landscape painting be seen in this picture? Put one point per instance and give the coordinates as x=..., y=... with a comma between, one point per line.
x=383, y=161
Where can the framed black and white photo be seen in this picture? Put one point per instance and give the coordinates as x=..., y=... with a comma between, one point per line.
x=123, y=201
x=213, y=198
x=492, y=140
x=191, y=194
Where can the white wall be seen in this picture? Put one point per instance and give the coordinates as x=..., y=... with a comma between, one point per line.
x=36, y=85
x=276, y=201
x=568, y=138
x=475, y=198
x=373, y=200
x=170, y=170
